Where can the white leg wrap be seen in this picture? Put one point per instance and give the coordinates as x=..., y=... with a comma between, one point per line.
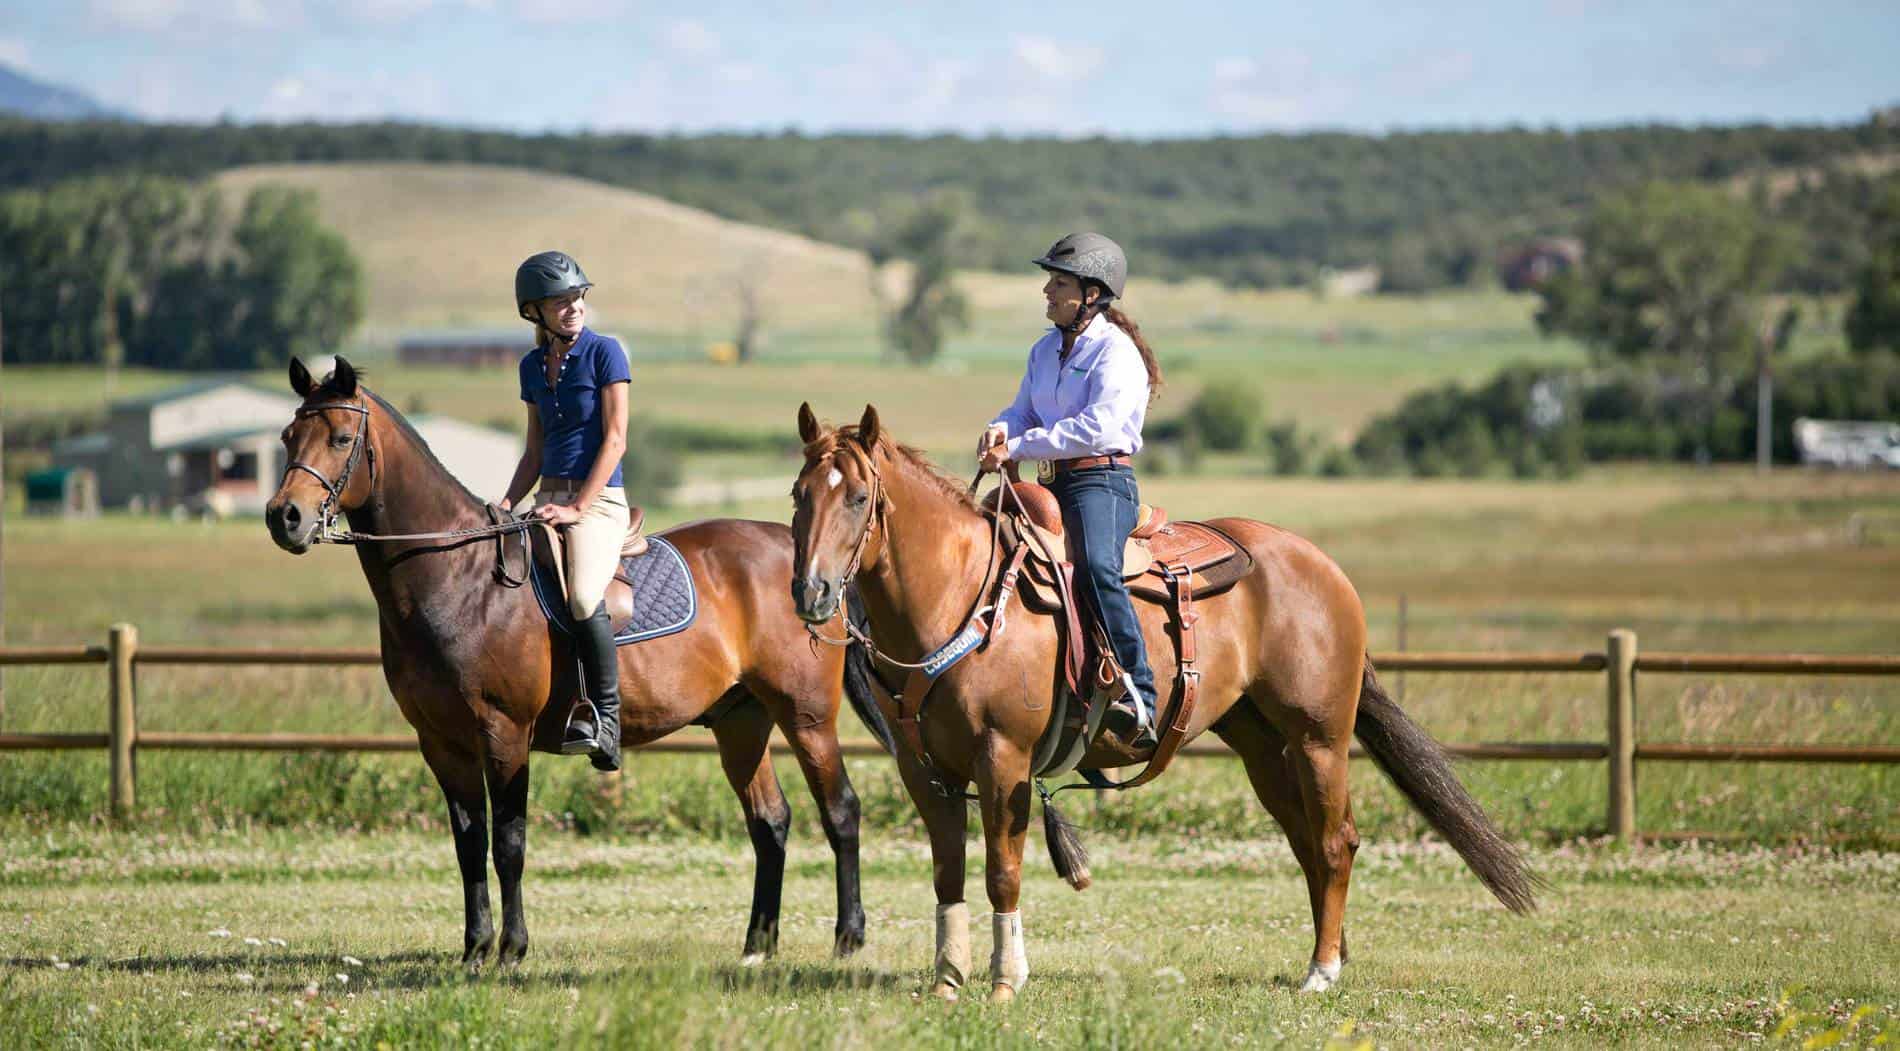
x=1320, y=977
x=953, y=944
x=1009, y=963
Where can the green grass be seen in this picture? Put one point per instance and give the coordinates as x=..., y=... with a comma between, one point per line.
x=1692, y=560
x=637, y=889
x=276, y=940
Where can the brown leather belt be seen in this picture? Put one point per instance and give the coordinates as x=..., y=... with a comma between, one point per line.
x=1081, y=462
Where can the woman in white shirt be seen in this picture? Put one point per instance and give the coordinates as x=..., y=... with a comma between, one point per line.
x=1080, y=407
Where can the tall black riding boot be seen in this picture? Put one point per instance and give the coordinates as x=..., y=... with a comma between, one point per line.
x=594, y=638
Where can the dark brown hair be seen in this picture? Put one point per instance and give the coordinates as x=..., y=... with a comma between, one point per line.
x=1120, y=319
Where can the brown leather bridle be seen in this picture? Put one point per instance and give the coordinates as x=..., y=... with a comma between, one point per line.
x=332, y=506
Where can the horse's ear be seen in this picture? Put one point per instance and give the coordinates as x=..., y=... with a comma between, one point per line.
x=868, y=427
x=344, y=377
x=300, y=380
x=809, y=429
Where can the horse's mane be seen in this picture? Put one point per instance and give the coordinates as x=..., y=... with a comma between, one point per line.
x=328, y=389
x=950, y=487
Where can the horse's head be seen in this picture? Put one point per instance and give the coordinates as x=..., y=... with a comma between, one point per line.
x=324, y=445
x=838, y=503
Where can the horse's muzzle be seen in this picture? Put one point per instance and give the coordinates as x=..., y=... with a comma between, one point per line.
x=290, y=526
x=815, y=598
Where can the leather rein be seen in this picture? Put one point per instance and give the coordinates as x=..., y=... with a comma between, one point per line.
x=501, y=523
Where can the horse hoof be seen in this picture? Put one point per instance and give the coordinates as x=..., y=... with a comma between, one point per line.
x=945, y=992
x=1320, y=977
x=753, y=959
x=1002, y=993
x=847, y=943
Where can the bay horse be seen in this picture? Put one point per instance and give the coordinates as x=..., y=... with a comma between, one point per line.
x=482, y=675
x=1285, y=682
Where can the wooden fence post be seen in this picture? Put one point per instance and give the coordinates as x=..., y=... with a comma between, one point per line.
x=121, y=648
x=1621, y=672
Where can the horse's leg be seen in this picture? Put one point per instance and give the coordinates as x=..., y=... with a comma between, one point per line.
x=460, y=775
x=1002, y=781
x=743, y=736
x=1319, y=761
x=1263, y=750
x=508, y=790
x=816, y=747
x=946, y=819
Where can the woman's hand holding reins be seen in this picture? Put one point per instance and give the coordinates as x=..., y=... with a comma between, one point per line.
x=557, y=514
x=992, y=449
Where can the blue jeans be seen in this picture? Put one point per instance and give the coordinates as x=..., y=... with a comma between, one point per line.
x=1099, y=506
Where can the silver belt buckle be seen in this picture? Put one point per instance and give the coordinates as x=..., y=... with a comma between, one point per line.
x=1045, y=471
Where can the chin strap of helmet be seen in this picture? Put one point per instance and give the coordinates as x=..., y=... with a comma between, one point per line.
x=1087, y=311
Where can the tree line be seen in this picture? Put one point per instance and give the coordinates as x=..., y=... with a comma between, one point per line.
x=1431, y=209
x=144, y=270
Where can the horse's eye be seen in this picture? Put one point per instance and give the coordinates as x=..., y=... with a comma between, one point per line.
x=858, y=499
x=340, y=441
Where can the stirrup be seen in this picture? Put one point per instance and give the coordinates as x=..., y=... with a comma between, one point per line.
x=582, y=735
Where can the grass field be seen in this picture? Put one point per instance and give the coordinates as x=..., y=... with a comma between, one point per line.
x=1709, y=560
x=279, y=940
x=1197, y=926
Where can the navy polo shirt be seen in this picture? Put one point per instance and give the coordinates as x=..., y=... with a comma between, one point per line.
x=571, y=430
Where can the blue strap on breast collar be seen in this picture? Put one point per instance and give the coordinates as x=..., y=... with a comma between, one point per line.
x=947, y=655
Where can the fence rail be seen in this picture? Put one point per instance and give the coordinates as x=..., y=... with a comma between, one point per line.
x=1619, y=663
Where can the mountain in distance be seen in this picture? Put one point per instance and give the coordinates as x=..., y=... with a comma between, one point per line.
x=24, y=96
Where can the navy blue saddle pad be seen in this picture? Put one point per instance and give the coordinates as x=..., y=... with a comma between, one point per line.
x=664, y=599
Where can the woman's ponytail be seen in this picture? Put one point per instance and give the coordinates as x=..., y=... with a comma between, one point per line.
x=1120, y=319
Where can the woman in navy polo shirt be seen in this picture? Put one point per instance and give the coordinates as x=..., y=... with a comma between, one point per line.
x=1081, y=405
x=575, y=383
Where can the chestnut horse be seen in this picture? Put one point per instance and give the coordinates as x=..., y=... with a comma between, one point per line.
x=1285, y=683
x=479, y=671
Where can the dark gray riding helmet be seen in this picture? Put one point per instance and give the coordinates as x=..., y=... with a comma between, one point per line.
x=1090, y=257
x=546, y=274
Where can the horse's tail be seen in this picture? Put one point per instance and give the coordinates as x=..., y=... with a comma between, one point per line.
x=1421, y=770
x=857, y=676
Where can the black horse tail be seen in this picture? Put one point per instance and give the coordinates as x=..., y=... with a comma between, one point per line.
x=1421, y=770
x=858, y=676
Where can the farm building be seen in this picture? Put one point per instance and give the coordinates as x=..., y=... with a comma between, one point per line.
x=473, y=350
x=212, y=447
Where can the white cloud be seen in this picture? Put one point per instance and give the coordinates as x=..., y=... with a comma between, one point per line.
x=14, y=54
x=355, y=95
x=186, y=16
x=564, y=11
x=738, y=72
x=1431, y=72
x=1228, y=70
x=1743, y=57
x=1277, y=89
x=1055, y=60
x=691, y=38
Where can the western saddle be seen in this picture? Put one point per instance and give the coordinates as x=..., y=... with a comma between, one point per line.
x=1167, y=563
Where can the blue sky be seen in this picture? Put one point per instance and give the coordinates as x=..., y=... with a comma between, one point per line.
x=1140, y=69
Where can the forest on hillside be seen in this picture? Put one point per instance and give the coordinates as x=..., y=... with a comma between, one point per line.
x=1431, y=209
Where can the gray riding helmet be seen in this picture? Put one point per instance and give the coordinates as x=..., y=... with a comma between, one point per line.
x=545, y=274
x=1090, y=257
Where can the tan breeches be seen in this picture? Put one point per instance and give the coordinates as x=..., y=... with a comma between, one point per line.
x=592, y=545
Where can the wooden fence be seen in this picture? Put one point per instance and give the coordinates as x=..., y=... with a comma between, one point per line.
x=1619, y=664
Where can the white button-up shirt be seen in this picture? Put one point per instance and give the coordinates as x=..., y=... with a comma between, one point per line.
x=1091, y=404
